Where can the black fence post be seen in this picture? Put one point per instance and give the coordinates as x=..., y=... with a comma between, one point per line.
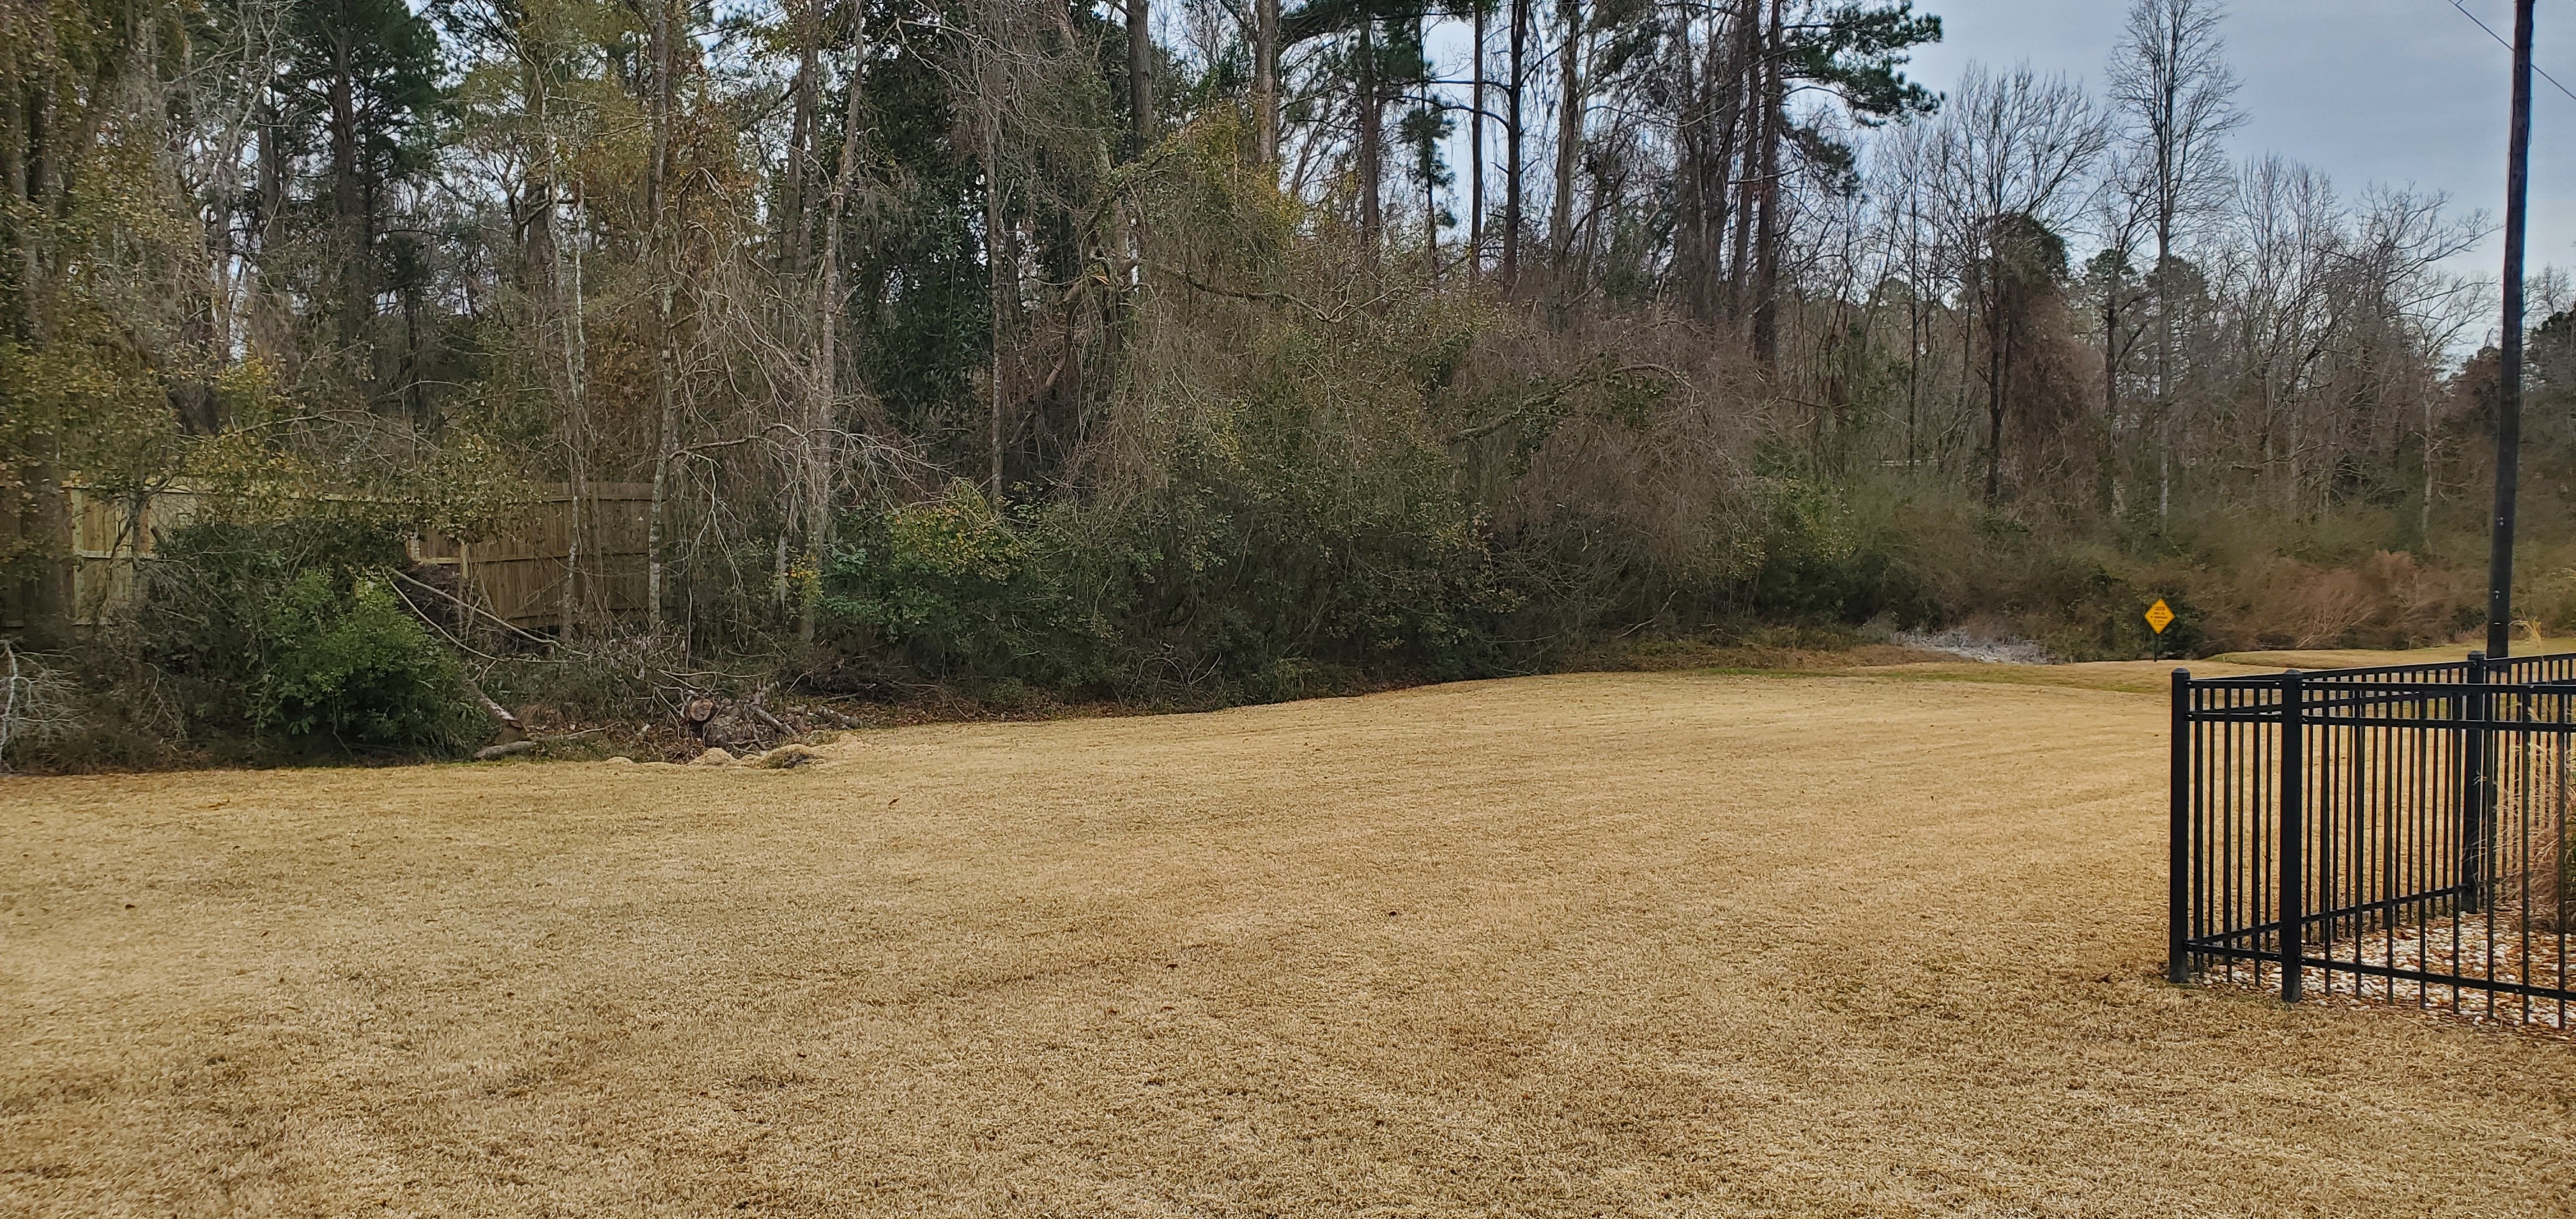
x=2178, y=949
x=2294, y=914
x=2478, y=792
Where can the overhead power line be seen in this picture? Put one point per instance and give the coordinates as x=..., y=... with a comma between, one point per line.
x=2502, y=41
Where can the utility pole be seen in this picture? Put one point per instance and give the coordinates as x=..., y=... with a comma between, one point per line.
x=2517, y=185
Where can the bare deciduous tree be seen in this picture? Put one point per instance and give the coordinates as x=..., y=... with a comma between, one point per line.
x=2171, y=85
x=2015, y=155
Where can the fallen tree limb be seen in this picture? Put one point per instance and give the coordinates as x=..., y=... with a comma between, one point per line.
x=471, y=608
x=493, y=709
x=511, y=749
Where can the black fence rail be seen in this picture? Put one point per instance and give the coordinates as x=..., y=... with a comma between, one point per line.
x=2396, y=833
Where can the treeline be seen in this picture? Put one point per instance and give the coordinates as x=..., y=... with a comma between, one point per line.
x=1185, y=352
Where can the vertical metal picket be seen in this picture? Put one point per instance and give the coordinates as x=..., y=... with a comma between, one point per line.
x=2177, y=954
x=2477, y=805
x=2293, y=880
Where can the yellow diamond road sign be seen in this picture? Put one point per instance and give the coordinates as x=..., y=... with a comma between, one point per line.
x=2160, y=615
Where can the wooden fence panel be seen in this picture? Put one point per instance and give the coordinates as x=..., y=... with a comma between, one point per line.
x=518, y=574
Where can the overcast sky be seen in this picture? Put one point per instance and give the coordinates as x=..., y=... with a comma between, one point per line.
x=2391, y=91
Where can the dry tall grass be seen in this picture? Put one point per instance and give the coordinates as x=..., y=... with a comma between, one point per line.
x=2536, y=796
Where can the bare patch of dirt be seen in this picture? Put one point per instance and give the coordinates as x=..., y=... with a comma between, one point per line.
x=1986, y=648
x=1585, y=945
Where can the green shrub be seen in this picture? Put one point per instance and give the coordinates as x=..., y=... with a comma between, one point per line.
x=1229, y=583
x=1820, y=562
x=351, y=666
x=962, y=591
x=282, y=639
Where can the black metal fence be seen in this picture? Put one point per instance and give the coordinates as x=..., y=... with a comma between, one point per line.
x=2396, y=834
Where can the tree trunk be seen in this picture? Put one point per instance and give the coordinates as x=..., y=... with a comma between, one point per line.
x=2424, y=515
x=1699, y=177
x=1727, y=83
x=269, y=334
x=1265, y=81
x=1476, y=153
x=662, y=264
x=1747, y=125
x=993, y=250
x=1140, y=91
x=576, y=410
x=1513, y=164
x=14, y=135
x=1372, y=167
x=348, y=200
x=820, y=424
x=537, y=252
x=1997, y=361
x=1430, y=188
x=542, y=269
x=2167, y=193
x=1767, y=235
x=793, y=224
x=576, y=432
x=2111, y=393
x=1569, y=132
x=2164, y=372
x=1914, y=328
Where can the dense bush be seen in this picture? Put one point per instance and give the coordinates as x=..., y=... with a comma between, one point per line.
x=282, y=638
x=1823, y=562
x=1223, y=587
x=962, y=591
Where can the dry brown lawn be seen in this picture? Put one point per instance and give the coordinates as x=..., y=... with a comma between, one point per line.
x=1626, y=944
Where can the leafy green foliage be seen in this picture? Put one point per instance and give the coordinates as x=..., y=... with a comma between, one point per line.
x=350, y=666
x=283, y=639
x=1283, y=510
x=1821, y=563
x=961, y=590
x=1859, y=50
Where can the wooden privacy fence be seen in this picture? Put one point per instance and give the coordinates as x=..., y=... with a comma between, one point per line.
x=518, y=575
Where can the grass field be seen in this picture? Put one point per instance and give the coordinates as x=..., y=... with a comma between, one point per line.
x=1653, y=944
